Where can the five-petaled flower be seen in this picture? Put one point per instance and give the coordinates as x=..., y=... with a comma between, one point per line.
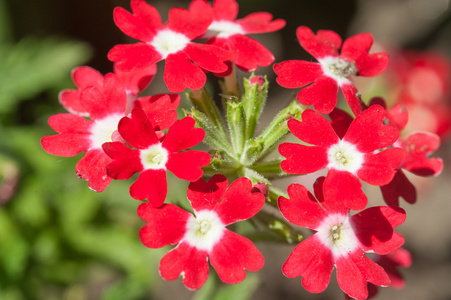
x=204, y=236
x=105, y=100
x=321, y=80
x=172, y=42
x=340, y=240
x=152, y=157
x=230, y=33
x=348, y=159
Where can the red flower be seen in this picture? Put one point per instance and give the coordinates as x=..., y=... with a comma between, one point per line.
x=340, y=240
x=203, y=236
x=152, y=158
x=185, y=60
x=105, y=101
x=418, y=146
x=333, y=70
x=348, y=159
x=230, y=33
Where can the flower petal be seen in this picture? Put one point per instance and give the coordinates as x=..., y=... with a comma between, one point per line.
x=322, y=94
x=313, y=261
x=205, y=195
x=182, y=135
x=314, y=129
x=92, y=168
x=138, y=130
x=151, y=185
x=232, y=255
x=400, y=186
x=187, y=261
x=324, y=43
x=180, y=73
x=166, y=225
x=134, y=56
x=239, y=203
x=187, y=165
x=301, y=159
x=296, y=73
x=345, y=188
x=379, y=168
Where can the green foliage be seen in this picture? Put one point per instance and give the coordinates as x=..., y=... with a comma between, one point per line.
x=34, y=65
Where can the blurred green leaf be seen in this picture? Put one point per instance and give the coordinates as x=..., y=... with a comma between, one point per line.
x=35, y=64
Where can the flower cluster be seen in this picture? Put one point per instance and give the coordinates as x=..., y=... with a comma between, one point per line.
x=123, y=133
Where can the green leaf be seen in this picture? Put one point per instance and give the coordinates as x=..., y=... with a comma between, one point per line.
x=34, y=65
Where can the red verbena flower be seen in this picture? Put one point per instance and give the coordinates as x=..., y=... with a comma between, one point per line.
x=204, y=236
x=348, y=159
x=321, y=80
x=152, y=157
x=418, y=146
x=230, y=33
x=172, y=42
x=340, y=240
x=105, y=101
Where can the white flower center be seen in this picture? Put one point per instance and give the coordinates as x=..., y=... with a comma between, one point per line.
x=344, y=156
x=167, y=42
x=224, y=29
x=102, y=130
x=204, y=230
x=337, y=234
x=154, y=157
x=338, y=69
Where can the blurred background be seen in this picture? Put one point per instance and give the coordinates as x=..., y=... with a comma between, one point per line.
x=60, y=240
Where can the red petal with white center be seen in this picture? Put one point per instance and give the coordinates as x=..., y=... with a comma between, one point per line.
x=182, y=135
x=134, y=56
x=301, y=208
x=356, y=49
x=142, y=24
x=313, y=261
x=374, y=228
x=151, y=185
x=296, y=73
x=180, y=73
x=368, y=133
x=160, y=109
x=314, y=129
x=322, y=94
x=353, y=272
x=126, y=161
x=225, y=10
x=352, y=96
x=345, y=188
x=136, y=81
x=301, y=159
x=324, y=43
x=340, y=121
x=418, y=146
x=209, y=57
x=188, y=165
x=189, y=23
x=103, y=103
x=187, y=261
x=248, y=54
x=205, y=195
x=379, y=168
x=232, y=255
x=92, y=168
x=166, y=225
x=400, y=186
x=138, y=130
x=239, y=203
x=260, y=22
